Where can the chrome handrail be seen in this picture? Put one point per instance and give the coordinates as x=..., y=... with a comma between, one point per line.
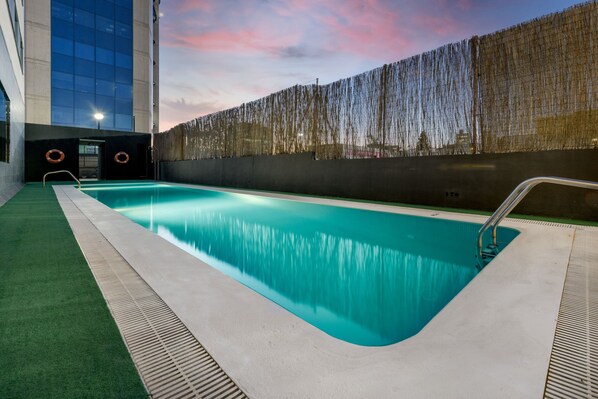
x=155, y=162
x=517, y=196
x=59, y=171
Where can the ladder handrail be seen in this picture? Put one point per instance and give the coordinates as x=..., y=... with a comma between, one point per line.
x=517, y=196
x=155, y=162
x=59, y=171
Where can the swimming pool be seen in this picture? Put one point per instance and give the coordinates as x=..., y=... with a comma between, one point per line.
x=366, y=277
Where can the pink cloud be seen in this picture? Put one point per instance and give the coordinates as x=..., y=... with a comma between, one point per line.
x=225, y=29
x=216, y=40
x=294, y=7
x=441, y=25
x=184, y=6
x=366, y=28
x=362, y=27
x=244, y=41
x=464, y=4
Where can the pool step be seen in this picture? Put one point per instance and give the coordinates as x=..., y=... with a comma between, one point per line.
x=488, y=254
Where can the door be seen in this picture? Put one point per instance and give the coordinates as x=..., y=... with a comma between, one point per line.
x=90, y=159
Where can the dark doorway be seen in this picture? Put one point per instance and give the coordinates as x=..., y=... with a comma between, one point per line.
x=90, y=159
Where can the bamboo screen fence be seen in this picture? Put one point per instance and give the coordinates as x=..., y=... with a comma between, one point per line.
x=526, y=88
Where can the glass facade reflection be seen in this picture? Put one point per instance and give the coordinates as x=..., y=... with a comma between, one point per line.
x=16, y=28
x=4, y=125
x=92, y=63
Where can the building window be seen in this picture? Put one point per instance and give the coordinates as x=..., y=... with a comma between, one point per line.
x=16, y=28
x=4, y=125
x=92, y=63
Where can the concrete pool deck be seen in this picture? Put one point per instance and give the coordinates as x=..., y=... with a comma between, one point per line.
x=493, y=339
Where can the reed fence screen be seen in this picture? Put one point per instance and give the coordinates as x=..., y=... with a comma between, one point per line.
x=526, y=88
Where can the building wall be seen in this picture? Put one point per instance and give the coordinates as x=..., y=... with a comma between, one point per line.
x=38, y=53
x=457, y=181
x=12, y=79
x=142, y=65
x=156, y=56
x=42, y=138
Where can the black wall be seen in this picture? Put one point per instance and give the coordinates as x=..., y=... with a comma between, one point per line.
x=67, y=140
x=459, y=181
x=35, y=159
x=35, y=132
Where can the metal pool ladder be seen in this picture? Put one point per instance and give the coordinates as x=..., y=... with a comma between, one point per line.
x=60, y=171
x=511, y=202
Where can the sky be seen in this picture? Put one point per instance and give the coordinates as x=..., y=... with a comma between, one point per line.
x=218, y=54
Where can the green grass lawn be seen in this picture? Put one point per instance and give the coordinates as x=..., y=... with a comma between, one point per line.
x=57, y=337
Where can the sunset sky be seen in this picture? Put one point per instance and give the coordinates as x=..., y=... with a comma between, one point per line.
x=217, y=54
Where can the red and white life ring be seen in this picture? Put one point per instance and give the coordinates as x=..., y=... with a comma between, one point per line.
x=51, y=159
x=118, y=159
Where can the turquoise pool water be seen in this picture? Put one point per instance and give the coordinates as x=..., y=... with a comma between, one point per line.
x=369, y=278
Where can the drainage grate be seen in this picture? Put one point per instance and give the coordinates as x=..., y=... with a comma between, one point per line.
x=573, y=370
x=171, y=362
x=554, y=224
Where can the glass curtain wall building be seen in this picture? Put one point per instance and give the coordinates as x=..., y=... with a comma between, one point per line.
x=4, y=125
x=12, y=107
x=84, y=57
x=92, y=63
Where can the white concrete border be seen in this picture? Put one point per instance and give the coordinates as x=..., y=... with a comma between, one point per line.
x=492, y=340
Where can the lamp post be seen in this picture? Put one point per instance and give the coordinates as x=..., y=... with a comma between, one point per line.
x=98, y=117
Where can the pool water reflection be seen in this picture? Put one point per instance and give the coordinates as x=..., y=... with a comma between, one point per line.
x=369, y=278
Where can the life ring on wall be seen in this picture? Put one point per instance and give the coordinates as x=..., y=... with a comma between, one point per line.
x=118, y=159
x=50, y=159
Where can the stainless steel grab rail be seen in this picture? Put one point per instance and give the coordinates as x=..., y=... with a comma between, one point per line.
x=517, y=196
x=155, y=162
x=59, y=171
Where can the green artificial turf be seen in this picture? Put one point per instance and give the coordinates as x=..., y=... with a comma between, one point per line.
x=57, y=337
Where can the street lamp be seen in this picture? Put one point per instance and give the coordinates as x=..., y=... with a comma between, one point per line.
x=98, y=117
